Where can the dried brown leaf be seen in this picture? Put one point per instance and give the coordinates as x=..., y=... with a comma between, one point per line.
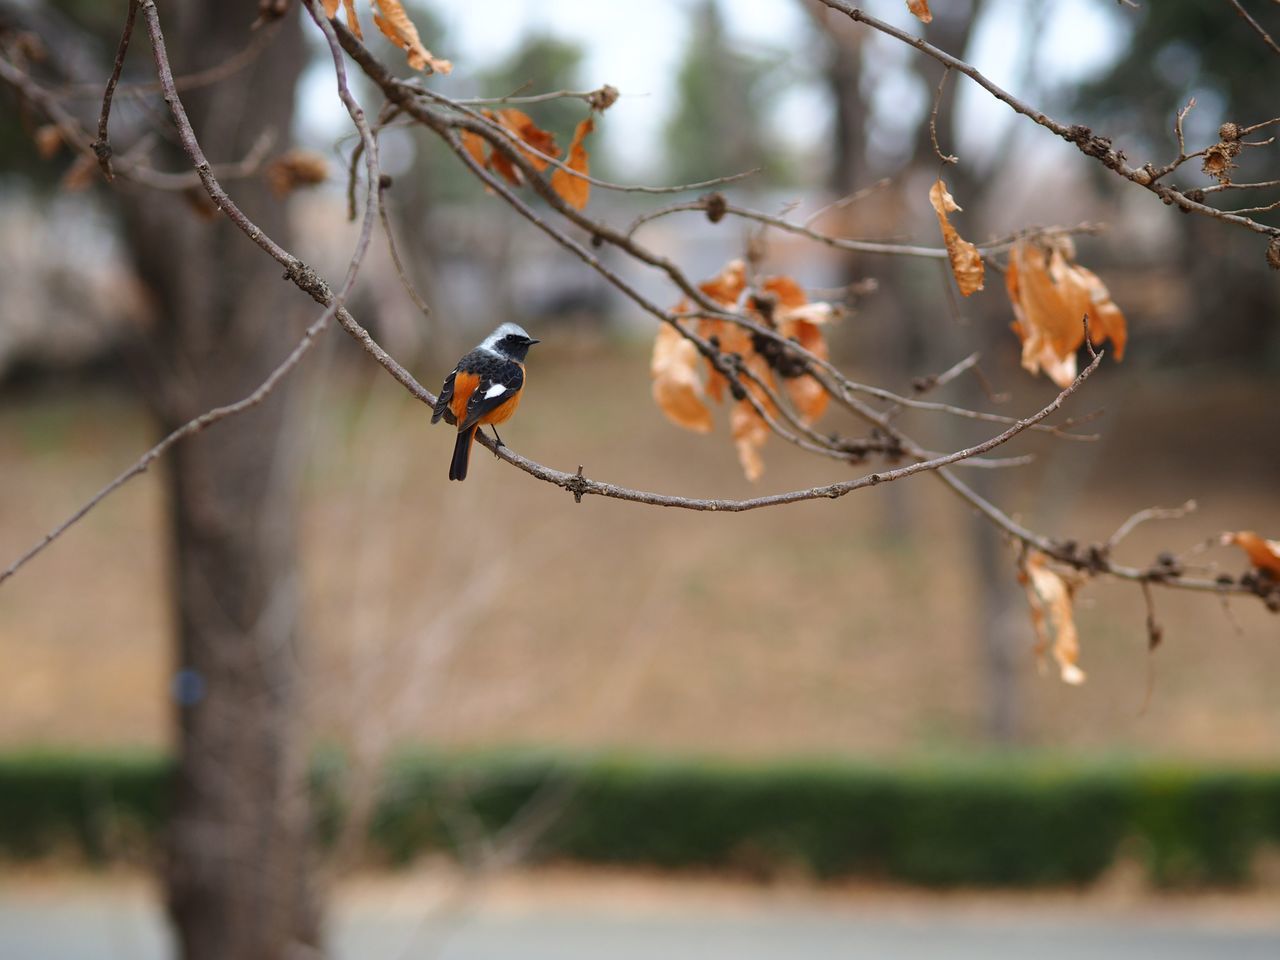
x=727, y=286
x=522, y=126
x=353, y=23
x=48, y=140
x=80, y=174
x=1050, y=598
x=474, y=144
x=391, y=19
x=501, y=164
x=966, y=262
x=684, y=398
x=920, y=10
x=749, y=435
x=294, y=169
x=575, y=191
x=1263, y=554
x=676, y=388
x=1051, y=295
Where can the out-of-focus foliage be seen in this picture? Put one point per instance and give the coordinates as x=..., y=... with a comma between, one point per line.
x=723, y=96
x=1011, y=823
x=541, y=64
x=1179, y=49
x=1184, y=48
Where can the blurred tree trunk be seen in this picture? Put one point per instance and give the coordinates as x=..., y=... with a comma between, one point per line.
x=1001, y=619
x=238, y=848
x=913, y=348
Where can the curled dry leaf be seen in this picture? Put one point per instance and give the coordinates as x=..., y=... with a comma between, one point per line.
x=749, y=434
x=474, y=144
x=920, y=10
x=676, y=388
x=1051, y=295
x=966, y=262
x=575, y=191
x=780, y=303
x=523, y=128
x=353, y=24
x=79, y=175
x=1049, y=596
x=294, y=169
x=1263, y=554
x=391, y=19
x=48, y=140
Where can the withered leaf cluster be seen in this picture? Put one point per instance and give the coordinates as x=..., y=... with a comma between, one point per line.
x=1051, y=295
x=685, y=383
x=389, y=16
x=574, y=190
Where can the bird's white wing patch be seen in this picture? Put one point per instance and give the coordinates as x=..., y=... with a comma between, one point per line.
x=496, y=390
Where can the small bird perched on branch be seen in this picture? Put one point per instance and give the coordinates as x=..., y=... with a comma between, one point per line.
x=484, y=388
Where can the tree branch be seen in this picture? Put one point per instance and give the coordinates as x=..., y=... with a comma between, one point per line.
x=1085, y=140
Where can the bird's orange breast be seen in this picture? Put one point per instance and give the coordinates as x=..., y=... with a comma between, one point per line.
x=503, y=412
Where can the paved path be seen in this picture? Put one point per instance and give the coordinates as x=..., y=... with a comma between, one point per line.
x=121, y=921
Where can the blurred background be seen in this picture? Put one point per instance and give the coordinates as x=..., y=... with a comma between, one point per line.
x=521, y=695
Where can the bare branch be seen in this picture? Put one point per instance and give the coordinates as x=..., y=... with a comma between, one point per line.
x=273, y=379
x=1085, y=140
x=190, y=428
x=1257, y=27
x=102, y=146
x=946, y=158
x=188, y=81
x=1151, y=513
x=409, y=97
x=493, y=128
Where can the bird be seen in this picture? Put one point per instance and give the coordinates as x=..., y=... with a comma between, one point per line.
x=484, y=388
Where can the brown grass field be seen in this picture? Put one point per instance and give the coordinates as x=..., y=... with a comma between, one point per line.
x=499, y=612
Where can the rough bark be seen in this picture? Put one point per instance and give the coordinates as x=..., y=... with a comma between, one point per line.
x=238, y=853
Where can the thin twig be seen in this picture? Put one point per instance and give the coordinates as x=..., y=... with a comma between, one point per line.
x=418, y=300
x=1151, y=513
x=126, y=166
x=188, y=81
x=589, y=96
x=492, y=128
x=102, y=146
x=190, y=428
x=1085, y=140
x=846, y=201
x=1217, y=187
x=946, y=158
x=286, y=366
x=1257, y=27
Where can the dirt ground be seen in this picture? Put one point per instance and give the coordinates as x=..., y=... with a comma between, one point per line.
x=843, y=628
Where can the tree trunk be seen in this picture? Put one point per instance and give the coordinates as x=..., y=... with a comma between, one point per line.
x=238, y=849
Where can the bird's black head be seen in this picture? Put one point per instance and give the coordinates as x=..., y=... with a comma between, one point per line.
x=510, y=340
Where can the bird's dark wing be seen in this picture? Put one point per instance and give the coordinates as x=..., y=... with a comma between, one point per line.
x=500, y=380
x=441, y=409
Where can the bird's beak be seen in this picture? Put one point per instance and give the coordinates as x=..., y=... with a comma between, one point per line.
x=532, y=341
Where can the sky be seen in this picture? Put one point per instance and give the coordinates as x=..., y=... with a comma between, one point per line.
x=637, y=47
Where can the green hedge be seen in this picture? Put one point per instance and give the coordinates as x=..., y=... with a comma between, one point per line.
x=999, y=822
x=79, y=804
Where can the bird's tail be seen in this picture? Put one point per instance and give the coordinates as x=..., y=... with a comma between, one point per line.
x=461, y=454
